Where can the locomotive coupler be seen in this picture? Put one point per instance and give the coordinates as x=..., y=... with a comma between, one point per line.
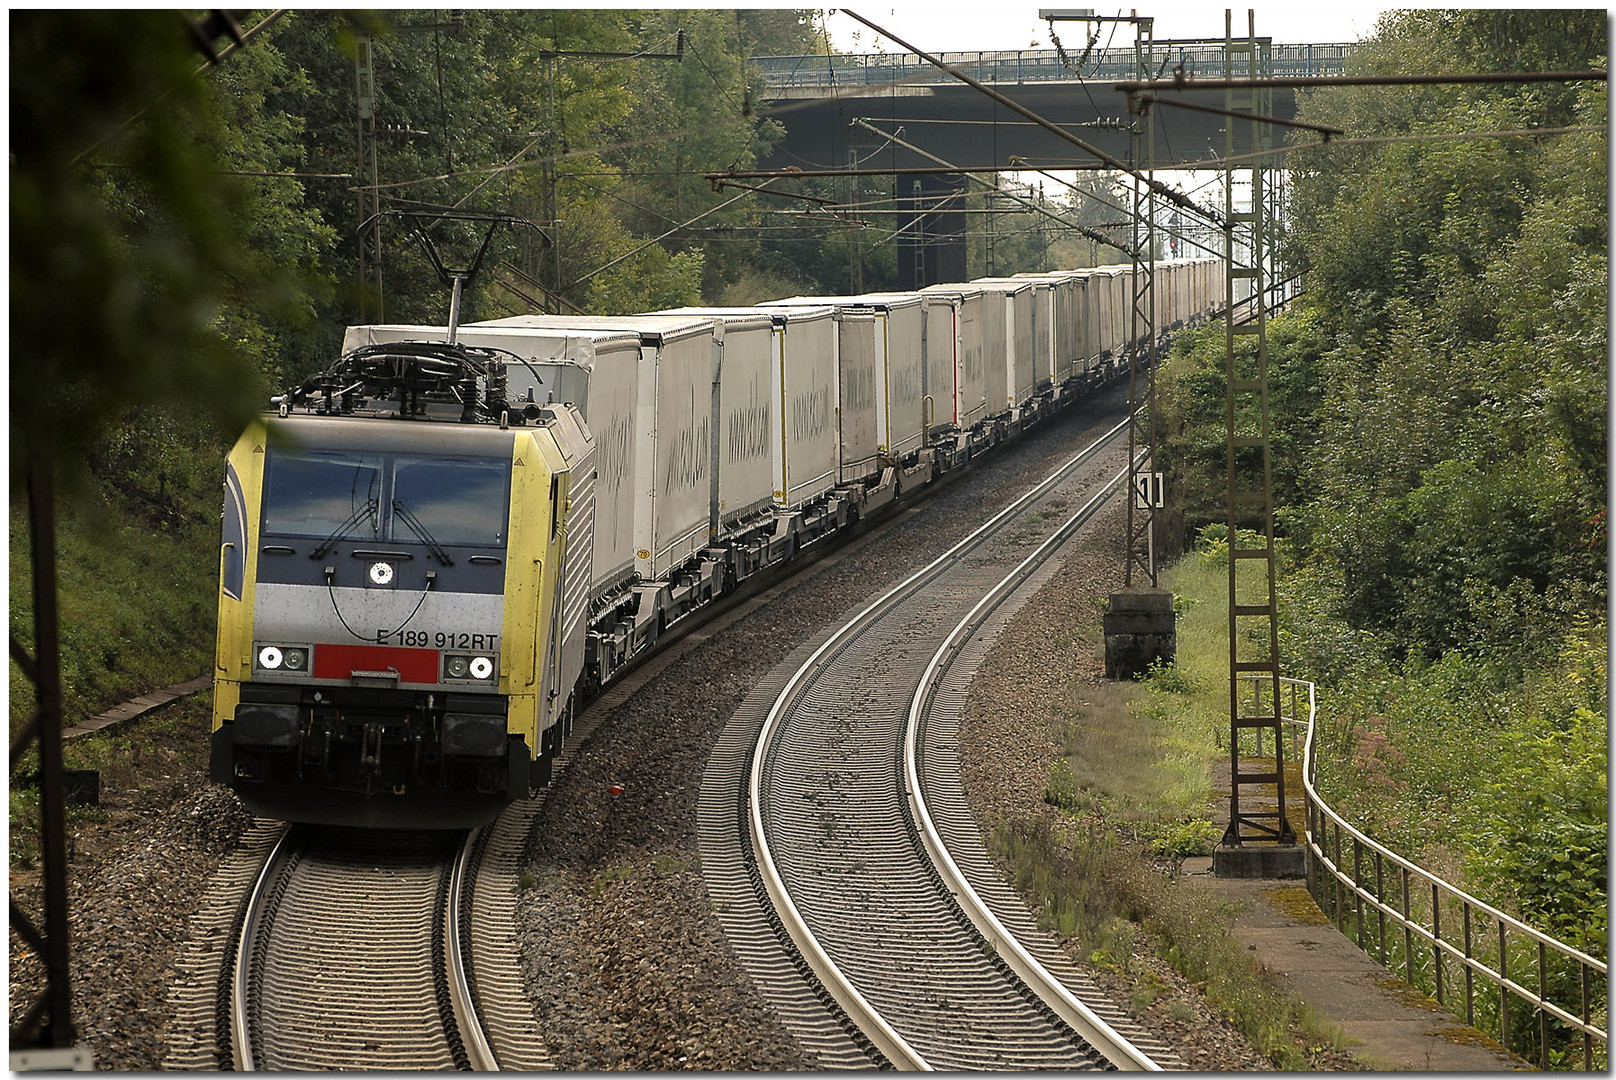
x=370, y=752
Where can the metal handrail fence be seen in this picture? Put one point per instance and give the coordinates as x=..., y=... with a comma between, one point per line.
x=1029, y=65
x=1447, y=934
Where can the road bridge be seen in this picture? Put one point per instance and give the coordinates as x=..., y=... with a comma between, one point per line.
x=817, y=98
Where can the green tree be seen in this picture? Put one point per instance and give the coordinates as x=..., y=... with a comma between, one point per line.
x=160, y=261
x=1458, y=275
x=556, y=116
x=127, y=238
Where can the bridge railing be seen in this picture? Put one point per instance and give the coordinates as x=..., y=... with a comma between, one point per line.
x=1031, y=65
x=1540, y=997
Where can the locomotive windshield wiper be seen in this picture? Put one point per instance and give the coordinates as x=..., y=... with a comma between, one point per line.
x=420, y=530
x=368, y=509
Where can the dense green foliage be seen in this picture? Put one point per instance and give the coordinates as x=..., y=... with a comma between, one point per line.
x=130, y=285
x=1495, y=783
x=581, y=123
x=194, y=239
x=137, y=572
x=1439, y=402
x=144, y=329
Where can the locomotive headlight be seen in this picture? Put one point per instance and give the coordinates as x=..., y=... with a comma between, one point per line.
x=469, y=666
x=287, y=659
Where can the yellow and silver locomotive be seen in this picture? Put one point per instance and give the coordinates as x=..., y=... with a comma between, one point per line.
x=403, y=592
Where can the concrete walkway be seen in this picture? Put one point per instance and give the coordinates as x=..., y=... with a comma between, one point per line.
x=1387, y=1024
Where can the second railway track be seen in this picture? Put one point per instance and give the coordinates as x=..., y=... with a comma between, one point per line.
x=814, y=856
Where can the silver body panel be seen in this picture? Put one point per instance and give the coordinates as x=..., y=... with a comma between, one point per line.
x=1067, y=299
x=858, y=391
x=674, y=429
x=1025, y=353
x=746, y=402
x=971, y=348
x=901, y=411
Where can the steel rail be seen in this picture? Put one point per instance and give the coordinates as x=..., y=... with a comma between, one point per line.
x=887, y=1040
x=1082, y=1019
x=241, y=1047
x=461, y=996
x=1182, y=201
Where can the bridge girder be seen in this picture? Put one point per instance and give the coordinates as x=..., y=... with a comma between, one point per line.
x=957, y=123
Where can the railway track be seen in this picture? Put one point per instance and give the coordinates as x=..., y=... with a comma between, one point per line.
x=369, y=967
x=350, y=956
x=360, y=949
x=340, y=953
x=841, y=854
x=365, y=1037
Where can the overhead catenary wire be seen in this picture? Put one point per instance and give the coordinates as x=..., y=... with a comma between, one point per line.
x=1371, y=140
x=135, y=117
x=1095, y=37
x=604, y=58
x=1303, y=82
x=590, y=151
x=970, y=122
x=1028, y=164
x=867, y=126
x=1091, y=195
x=782, y=110
x=576, y=179
x=1161, y=189
x=740, y=109
x=654, y=240
x=514, y=164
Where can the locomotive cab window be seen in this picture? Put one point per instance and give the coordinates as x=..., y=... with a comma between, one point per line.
x=316, y=492
x=459, y=500
x=368, y=496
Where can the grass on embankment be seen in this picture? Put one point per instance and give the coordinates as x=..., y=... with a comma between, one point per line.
x=136, y=589
x=163, y=752
x=137, y=577
x=1134, y=787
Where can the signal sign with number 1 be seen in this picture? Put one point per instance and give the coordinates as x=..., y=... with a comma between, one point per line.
x=1148, y=491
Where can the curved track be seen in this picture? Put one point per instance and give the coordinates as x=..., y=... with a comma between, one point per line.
x=889, y=967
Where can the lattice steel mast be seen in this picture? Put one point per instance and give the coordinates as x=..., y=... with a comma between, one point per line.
x=1253, y=607
x=1146, y=498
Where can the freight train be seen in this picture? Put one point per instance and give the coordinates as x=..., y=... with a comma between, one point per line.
x=432, y=549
